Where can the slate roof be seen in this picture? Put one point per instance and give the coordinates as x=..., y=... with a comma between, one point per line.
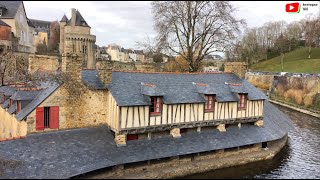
x=12, y=109
x=91, y=78
x=139, y=52
x=79, y=20
x=226, y=97
x=151, y=90
x=64, y=19
x=7, y=90
x=5, y=104
x=177, y=88
x=24, y=95
x=41, y=26
x=205, y=88
x=12, y=8
x=63, y=154
x=3, y=23
x=30, y=23
x=238, y=89
x=49, y=88
x=3, y=7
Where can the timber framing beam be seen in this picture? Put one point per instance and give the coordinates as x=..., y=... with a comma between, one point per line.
x=157, y=128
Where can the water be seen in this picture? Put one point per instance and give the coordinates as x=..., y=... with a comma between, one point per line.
x=300, y=158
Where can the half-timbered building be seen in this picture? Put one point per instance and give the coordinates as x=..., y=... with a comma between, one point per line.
x=148, y=102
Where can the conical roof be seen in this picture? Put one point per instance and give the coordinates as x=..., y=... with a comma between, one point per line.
x=64, y=19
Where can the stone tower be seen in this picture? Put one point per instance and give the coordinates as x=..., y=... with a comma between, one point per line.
x=75, y=38
x=63, y=23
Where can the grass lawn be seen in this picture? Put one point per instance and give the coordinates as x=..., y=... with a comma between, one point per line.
x=294, y=61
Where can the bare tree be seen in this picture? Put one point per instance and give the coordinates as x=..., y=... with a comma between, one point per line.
x=195, y=27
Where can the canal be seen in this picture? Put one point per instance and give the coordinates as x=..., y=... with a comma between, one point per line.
x=300, y=158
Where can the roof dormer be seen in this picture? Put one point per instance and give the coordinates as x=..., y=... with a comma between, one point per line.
x=151, y=90
x=3, y=8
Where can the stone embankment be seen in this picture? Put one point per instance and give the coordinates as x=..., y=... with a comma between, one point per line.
x=183, y=166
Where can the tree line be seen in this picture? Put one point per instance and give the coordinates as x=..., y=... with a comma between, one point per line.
x=275, y=38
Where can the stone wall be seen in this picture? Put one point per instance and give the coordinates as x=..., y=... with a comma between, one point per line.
x=181, y=166
x=300, y=91
x=104, y=70
x=5, y=45
x=16, y=67
x=260, y=81
x=43, y=63
x=88, y=109
x=77, y=30
x=238, y=68
x=303, y=92
x=149, y=67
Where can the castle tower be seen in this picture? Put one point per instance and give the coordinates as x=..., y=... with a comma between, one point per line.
x=75, y=38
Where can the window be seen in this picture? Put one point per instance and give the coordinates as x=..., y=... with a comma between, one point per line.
x=18, y=106
x=156, y=106
x=209, y=106
x=22, y=36
x=84, y=49
x=47, y=117
x=264, y=145
x=26, y=36
x=0, y=12
x=243, y=101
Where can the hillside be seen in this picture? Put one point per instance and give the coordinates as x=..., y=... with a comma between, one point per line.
x=294, y=61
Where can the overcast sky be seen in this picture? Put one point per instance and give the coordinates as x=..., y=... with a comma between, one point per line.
x=126, y=22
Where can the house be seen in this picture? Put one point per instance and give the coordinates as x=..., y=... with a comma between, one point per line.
x=51, y=104
x=121, y=54
x=210, y=69
x=13, y=13
x=124, y=55
x=104, y=54
x=42, y=31
x=132, y=55
x=114, y=51
x=75, y=37
x=140, y=55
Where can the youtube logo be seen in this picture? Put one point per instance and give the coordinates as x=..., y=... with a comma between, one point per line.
x=293, y=8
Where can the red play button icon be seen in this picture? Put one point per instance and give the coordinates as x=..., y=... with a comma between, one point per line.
x=292, y=7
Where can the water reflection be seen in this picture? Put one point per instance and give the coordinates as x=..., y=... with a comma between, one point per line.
x=300, y=158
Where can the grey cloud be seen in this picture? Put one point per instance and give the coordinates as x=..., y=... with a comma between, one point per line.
x=130, y=21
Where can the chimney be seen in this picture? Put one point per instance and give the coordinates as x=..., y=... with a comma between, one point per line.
x=105, y=71
x=72, y=65
x=73, y=16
